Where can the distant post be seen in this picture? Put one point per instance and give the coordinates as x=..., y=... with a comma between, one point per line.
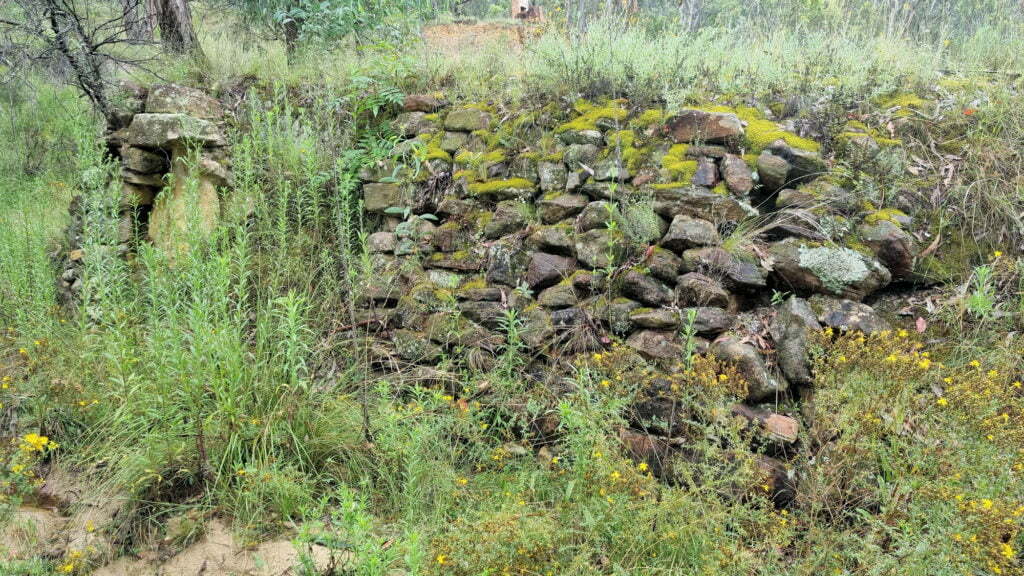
x=525, y=10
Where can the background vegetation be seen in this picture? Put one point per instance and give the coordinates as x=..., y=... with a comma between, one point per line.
x=219, y=387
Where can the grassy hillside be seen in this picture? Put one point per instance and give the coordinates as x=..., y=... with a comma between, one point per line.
x=220, y=384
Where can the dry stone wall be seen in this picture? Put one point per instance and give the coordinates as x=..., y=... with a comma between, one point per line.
x=661, y=232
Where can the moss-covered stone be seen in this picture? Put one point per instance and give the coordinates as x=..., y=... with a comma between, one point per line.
x=591, y=115
x=503, y=189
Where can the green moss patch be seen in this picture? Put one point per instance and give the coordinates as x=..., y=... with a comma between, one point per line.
x=591, y=114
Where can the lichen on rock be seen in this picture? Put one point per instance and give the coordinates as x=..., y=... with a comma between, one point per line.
x=837, y=268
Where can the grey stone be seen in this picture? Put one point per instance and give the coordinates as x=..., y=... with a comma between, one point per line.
x=761, y=384
x=686, y=232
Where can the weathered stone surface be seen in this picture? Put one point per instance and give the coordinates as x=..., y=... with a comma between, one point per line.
x=804, y=165
x=701, y=203
x=663, y=264
x=647, y=448
x=772, y=171
x=560, y=295
x=133, y=195
x=596, y=215
x=610, y=169
x=481, y=294
x=505, y=263
x=536, y=329
x=778, y=478
x=762, y=385
x=613, y=312
x=719, y=263
x=184, y=214
x=778, y=427
x=411, y=124
x=452, y=206
x=577, y=154
x=547, y=269
x=847, y=315
x=168, y=130
x=695, y=289
x=706, y=174
x=415, y=347
x=687, y=232
x=486, y=313
x=556, y=239
x=646, y=289
x=708, y=320
x=656, y=345
x=699, y=126
x=508, y=217
x=737, y=175
x=587, y=137
x=826, y=270
x=423, y=103
x=451, y=237
x=655, y=318
x=152, y=180
x=793, y=325
x=599, y=248
x=795, y=198
x=174, y=99
x=893, y=247
x=143, y=161
x=554, y=207
x=467, y=120
x=453, y=141
x=568, y=318
x=552, y=176
x=379, y=196
x=463, y=260
x=455, y=330
x=381, y=242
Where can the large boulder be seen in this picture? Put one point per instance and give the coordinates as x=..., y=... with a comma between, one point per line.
x=704, y=127
x=812, y=269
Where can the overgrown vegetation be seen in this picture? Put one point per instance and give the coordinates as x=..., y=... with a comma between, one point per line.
x=224, y=381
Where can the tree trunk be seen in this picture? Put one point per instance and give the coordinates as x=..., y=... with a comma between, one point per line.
x=136, y=22
x=174, y=19
x=292, y=28
x=84, y=61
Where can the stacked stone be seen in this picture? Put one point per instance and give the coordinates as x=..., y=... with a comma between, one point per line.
x=159, y=128
x=539, y=237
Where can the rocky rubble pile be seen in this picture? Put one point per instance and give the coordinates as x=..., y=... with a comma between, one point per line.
x=668, y=234
x=174, y=168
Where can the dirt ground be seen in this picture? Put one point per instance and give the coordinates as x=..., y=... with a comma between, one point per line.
x=455, y=39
